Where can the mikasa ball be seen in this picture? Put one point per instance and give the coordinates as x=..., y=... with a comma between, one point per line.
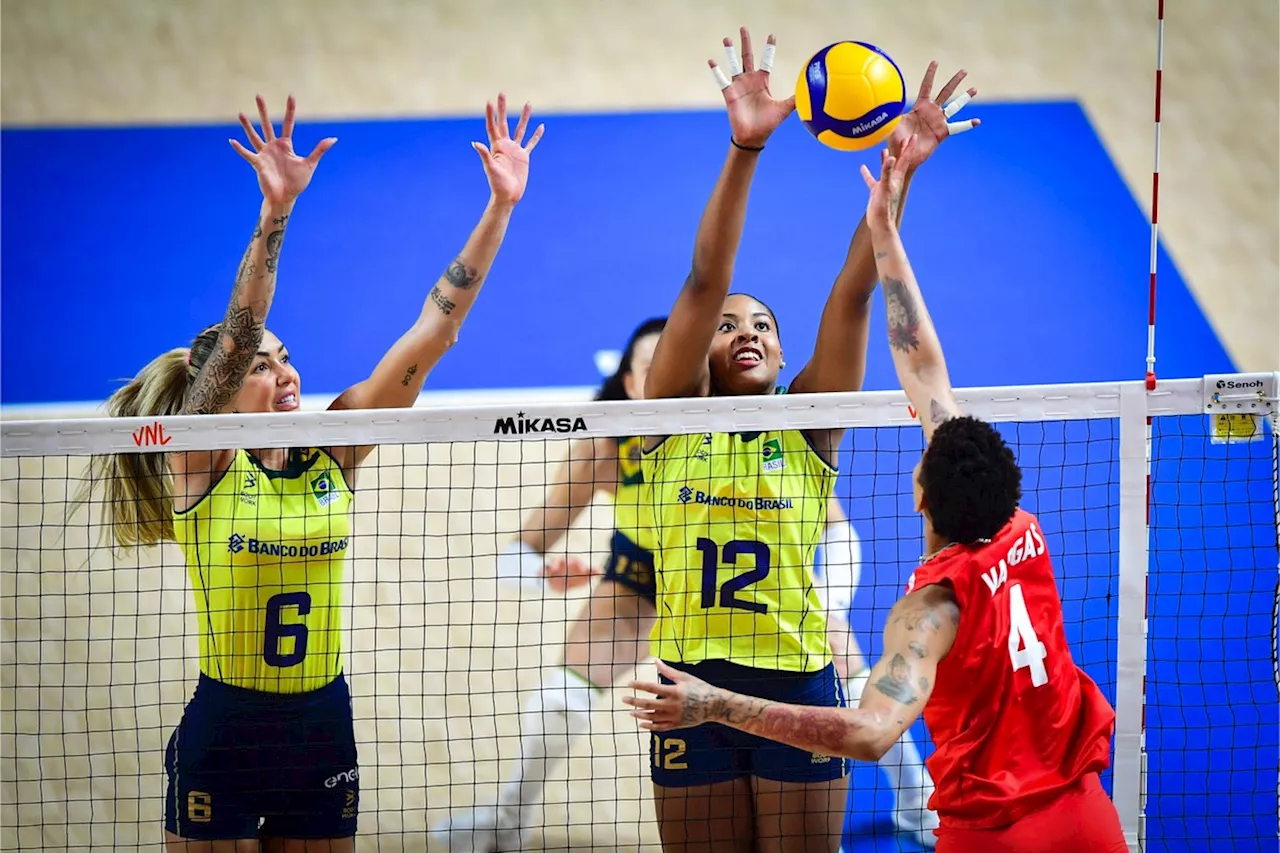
x=850, y=95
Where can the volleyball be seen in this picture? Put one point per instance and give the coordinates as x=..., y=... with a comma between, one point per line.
x=850, y=95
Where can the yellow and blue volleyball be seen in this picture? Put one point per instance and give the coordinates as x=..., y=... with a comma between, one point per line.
x=850, y=95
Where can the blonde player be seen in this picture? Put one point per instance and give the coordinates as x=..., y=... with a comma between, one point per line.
x=265, y=754
x=610, y=635
x=739, y=515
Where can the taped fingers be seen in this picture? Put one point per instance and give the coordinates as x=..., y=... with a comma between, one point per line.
x=766, y=58
x=957, y=103
x=731, y=57
x=721, y=81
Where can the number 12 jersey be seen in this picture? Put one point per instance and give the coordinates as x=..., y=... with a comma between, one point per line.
x=1015, y=721
x=737, y=518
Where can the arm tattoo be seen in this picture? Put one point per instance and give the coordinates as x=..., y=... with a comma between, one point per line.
x=444, y=304
x=712, y=704
x=938, y=413
x=408, y=375
x=896, y=683
x=274, y=239
x=223, y=373
x=824, y=731
x=904, y=318
x=460, y=275
x=918, y=649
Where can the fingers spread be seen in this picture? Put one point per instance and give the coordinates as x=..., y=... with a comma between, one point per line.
x=866, y=176
x=748, y=56
x=731, y=58
x=926, y=85
x=721, y=80
x=268, y=133
x=533, y=140
x=254, y=139
x=766, y=58
x=240, y=149
x=321, y=147
x=950, y=89
x=956, y=104
x=523, y=124
x=286, y=129
x=490, y=123
x=504, y=127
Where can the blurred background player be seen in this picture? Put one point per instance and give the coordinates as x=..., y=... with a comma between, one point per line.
x=610, y=636
x=265, y=752
x=739, y=515
x=976, y=644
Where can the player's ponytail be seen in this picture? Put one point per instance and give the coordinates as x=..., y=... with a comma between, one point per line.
x=615, y=388
x=138, y=498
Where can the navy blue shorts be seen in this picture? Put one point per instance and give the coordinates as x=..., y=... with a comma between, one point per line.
x=247, y=764
x=711, y=752
x=631, y=566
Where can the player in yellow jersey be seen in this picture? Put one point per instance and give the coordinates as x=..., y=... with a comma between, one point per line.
x=738, y=516
x=610, y=635
x=265, y=754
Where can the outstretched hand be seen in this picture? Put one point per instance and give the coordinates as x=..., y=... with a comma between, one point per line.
x=753, y=111
x=282, y=174
x=506, y=157
x=930, y=118
x=886, y=193
x=690, y=701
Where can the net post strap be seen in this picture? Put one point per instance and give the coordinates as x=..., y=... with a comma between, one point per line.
x=1131, y=633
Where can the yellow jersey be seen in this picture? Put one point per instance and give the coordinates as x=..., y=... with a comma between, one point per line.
x=631, y=516
x=737, y=518
x=265, y=552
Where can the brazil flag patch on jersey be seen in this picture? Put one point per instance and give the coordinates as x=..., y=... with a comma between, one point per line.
x=771, y=456
x=322, y=488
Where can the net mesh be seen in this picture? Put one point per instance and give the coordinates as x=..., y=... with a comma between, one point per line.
x=100, y=647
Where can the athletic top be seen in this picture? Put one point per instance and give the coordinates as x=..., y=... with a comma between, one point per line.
x=1015, y=721
x=627, y=512
x=737, y=518
x=265, y=552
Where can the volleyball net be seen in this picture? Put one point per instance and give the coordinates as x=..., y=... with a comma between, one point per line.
x=1168, y=598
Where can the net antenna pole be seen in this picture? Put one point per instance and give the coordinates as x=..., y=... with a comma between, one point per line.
x=1137, y=837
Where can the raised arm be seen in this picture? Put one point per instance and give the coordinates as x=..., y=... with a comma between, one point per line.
x=282, y=176
x=397, y=379
x=913, y=341
x=920, y=631
x=840, y=353
x=679, y=367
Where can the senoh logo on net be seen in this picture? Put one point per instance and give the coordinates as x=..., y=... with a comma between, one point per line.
x=1232, y=385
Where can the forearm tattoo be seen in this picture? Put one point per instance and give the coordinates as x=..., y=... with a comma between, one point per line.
x=824, y=731
x=442, y=302
x=896, y=683
x=274, y=239
x=460, y=275
x=408, y=375
x=223, y=373
x=904, y=317
x=938, y=412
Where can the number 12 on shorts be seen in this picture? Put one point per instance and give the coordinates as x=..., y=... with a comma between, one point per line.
x=1025, y=649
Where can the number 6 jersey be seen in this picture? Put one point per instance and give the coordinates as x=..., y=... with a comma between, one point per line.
x=737, y=517
x=265, y=552
x=1015, y=721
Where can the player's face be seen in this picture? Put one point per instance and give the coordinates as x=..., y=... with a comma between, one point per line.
x=746, y=354
x=271, y=384
x=641, y=358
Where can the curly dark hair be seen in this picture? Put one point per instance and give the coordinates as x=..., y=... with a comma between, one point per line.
x=970, y=480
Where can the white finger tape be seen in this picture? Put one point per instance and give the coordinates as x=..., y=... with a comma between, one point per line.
x=956, y=104
x=766, y=59
x=954, y=127
x=731, y=56
x=721, y=80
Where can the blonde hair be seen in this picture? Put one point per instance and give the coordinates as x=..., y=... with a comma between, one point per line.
x=138, y=493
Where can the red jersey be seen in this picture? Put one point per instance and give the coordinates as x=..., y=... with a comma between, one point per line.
x=1015, y=721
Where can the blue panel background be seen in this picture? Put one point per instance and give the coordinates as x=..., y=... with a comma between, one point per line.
x=120, y=243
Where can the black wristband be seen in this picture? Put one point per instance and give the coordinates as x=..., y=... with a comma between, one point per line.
x=741, y=147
